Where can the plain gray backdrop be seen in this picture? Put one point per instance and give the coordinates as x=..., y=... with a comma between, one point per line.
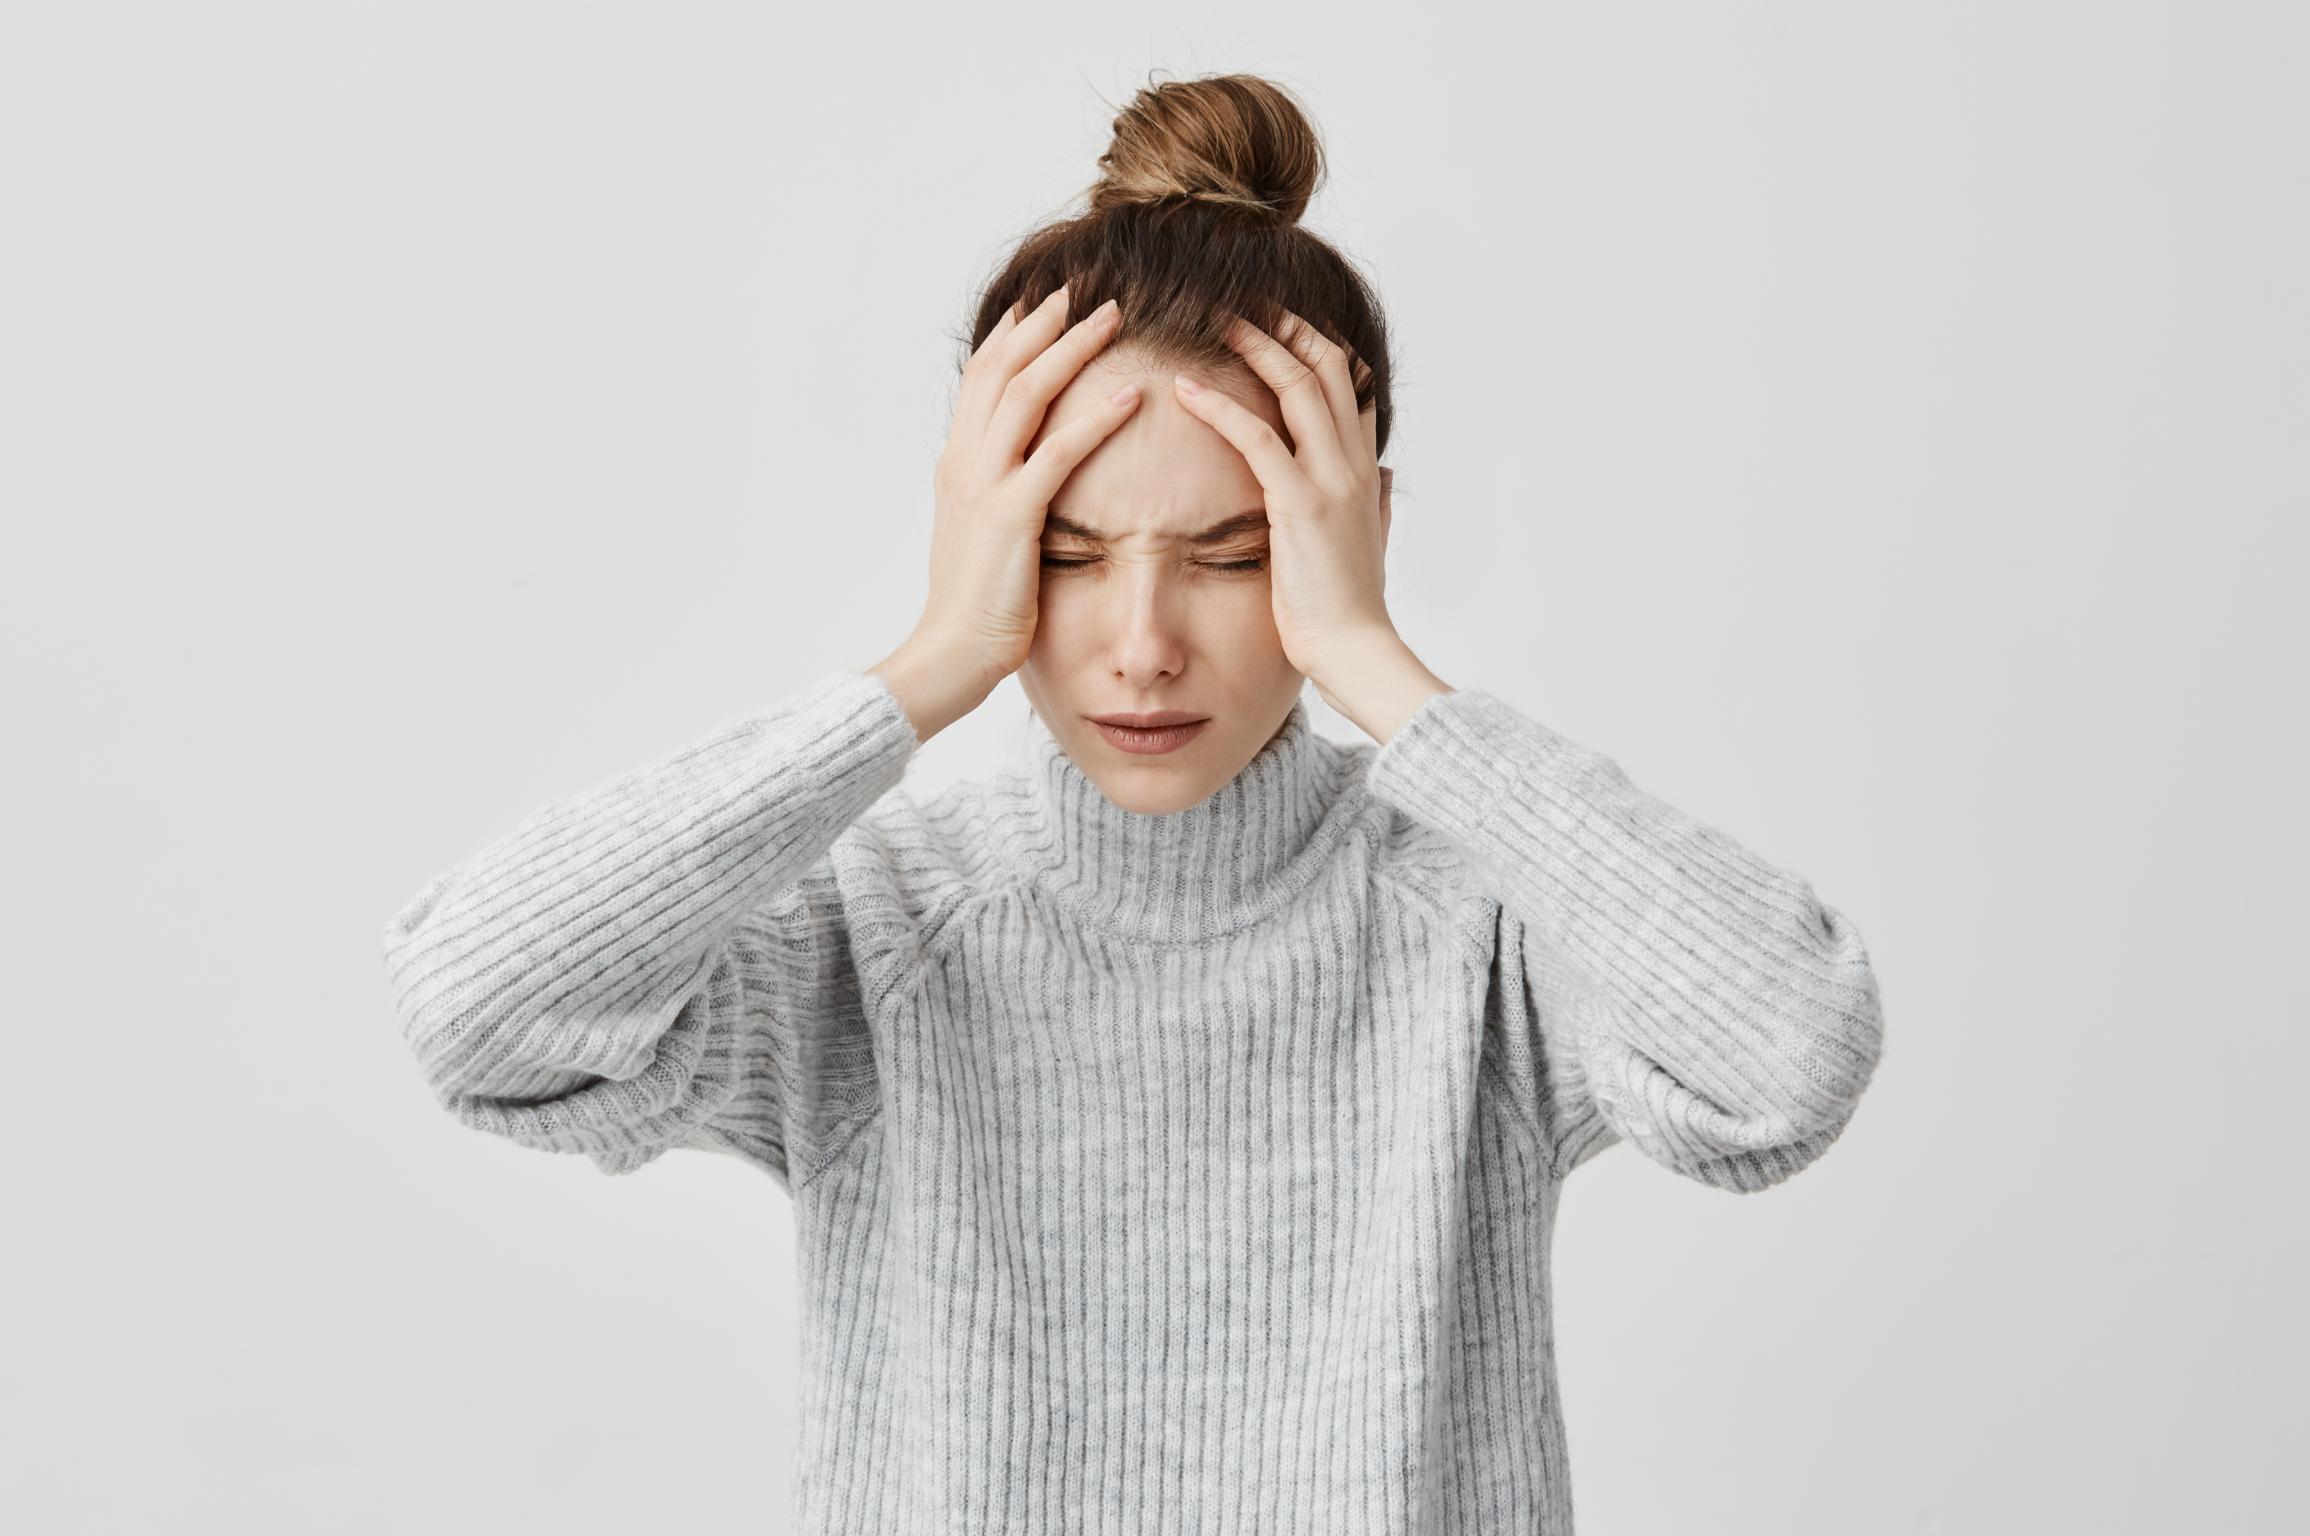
x=1879, y=427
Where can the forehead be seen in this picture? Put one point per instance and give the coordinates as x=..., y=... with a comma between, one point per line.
x=1163, y=473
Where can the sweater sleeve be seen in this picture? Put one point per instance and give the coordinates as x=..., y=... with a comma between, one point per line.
x=1700, y=1002
x=652, y=963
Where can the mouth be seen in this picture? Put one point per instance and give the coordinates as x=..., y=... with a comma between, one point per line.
x=1151, y=734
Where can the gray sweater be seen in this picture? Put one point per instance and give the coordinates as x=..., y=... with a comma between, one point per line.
x=1179, y=1173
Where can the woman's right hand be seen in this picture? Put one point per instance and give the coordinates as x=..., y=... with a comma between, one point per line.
x=986, y=540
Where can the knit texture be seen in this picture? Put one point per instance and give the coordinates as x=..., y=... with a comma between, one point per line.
x=1151, y=1173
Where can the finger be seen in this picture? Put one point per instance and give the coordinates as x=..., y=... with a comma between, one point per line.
x=970, y=402
x=1030, y=393
x=1368, y=418
x=995, y=338
x=1329, y=362
x=975, y=402
x=982, y=356
x=1266, y=452
x=1296, y=387
x=1003, y=327
x=1055, y=458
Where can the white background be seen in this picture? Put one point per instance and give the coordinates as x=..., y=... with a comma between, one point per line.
x=1880, y=427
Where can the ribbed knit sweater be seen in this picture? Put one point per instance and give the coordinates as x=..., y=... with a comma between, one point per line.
x=1151, y=1173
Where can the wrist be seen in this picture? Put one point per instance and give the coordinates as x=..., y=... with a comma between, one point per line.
x=935, y=681
x=1373, y=678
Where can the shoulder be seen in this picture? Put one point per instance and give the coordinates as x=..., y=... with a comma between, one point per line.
x=916, y=861
x=1415, y=872
x=1406, y=863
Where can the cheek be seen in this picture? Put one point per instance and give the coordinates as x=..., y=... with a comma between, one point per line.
x=1067, y=620
x=1238, y=651
x=1235, y=623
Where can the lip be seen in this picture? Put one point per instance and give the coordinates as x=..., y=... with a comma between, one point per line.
x=1152, y=733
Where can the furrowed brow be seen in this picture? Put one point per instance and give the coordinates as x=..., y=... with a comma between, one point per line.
x=1234, y=527
x=1054, y=523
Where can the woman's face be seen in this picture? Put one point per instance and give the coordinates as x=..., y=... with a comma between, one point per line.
x=1156, y=664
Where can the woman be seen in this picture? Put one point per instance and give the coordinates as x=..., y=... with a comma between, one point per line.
x=1174, y=1127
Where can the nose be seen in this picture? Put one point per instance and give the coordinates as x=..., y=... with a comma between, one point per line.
x=1147, y=648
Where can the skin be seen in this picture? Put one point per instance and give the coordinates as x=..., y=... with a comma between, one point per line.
x=1135, y=545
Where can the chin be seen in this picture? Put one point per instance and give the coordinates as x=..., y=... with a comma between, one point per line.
x=1148, y=789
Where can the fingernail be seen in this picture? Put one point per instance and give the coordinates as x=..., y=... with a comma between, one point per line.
x=1106, y=312
x=1124, y=396
x=1187, y=384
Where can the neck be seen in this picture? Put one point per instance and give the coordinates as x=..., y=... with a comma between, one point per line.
x=1198, y=873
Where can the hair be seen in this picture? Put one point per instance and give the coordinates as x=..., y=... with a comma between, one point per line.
x=1193, y=223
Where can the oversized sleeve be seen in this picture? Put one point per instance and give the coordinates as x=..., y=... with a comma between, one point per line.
x=1685, y=994
x=661, y=961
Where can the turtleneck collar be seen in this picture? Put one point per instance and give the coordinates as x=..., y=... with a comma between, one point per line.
x=1198, y=873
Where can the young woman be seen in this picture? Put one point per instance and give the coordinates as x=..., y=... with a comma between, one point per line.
x=1174, y=1127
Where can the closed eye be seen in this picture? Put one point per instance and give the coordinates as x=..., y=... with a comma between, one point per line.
x=1054, y=562
x=1247, y=563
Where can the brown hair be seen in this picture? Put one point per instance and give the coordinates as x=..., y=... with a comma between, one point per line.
x=1193, y=222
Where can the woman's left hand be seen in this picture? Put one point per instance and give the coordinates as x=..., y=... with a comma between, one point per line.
x=1327, y=518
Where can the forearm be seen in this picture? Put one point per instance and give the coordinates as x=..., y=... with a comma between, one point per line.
x=1690, y=956
x=567, y=946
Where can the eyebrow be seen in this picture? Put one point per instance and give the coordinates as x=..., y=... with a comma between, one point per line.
x=1218, y=533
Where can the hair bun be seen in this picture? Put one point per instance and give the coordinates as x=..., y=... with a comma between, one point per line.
x=1228, y=139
